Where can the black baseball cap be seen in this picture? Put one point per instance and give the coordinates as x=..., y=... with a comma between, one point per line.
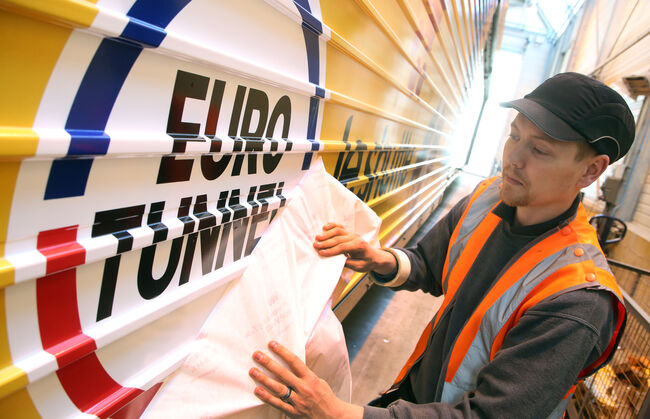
x=575, y=107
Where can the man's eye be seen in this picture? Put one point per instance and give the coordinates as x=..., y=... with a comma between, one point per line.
x=540, y=152
x=514, y=137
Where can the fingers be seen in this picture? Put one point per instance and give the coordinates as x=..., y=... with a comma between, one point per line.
x=297, y=366
x=335, y=230
x=330, y=243
x=282, y=373
x=274, y=401
x=330, y=226
x=278, y=389
x=342, y=249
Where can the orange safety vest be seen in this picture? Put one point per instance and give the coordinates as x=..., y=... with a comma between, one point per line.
x=563, y=259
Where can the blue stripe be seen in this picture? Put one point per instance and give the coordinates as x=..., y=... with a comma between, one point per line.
x=307, y=18
x=101, y=84
x=98, y=92
x=142, y=32
x=148, y=18
x=88, y=142
x=311, y=29
x=156, y=12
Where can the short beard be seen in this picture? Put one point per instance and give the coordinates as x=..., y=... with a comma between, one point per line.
x=512, y=200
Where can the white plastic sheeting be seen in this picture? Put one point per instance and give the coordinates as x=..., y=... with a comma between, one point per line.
x=284, y=295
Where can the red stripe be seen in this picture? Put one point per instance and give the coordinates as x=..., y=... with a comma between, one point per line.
x=81, y=374
x=58, y=318
x=61, y=249
x=136, y=408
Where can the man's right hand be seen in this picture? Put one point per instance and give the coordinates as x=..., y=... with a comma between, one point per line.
x=336, y=240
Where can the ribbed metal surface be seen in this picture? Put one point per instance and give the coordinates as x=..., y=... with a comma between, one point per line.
x=146, y=146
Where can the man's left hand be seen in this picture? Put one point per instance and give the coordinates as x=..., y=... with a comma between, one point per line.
x=309, y=397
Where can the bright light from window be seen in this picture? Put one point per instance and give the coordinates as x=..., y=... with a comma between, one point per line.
x=558, y=13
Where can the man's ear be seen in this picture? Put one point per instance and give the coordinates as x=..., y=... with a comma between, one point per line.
x=595, y=167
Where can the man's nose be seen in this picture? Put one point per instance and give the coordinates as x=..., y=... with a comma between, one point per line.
x=517, y=156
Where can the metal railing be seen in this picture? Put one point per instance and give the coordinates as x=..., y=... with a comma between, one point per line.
x=620, y=389
x=635, y=281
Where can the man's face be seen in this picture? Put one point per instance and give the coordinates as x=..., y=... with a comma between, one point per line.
x=539, y=172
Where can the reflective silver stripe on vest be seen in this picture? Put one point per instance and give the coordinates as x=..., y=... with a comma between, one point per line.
x=478, y=354
x=479, y=209
x=559, y=410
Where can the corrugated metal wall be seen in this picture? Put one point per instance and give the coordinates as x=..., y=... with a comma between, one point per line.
x=613, y=40
x=145, y=146
x=612, y=44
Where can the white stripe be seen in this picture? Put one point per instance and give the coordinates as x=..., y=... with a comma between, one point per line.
x=23, y=332
x=51, y=400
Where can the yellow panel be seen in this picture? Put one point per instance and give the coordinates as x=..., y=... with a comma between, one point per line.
x=8, y=173
x=417, y=17
x=371, y=128
x=11, y=378
x=350, y=22
x=391, y=11
x=75, y=12
x=18, y=405
x=17, y=143
x=29, y=50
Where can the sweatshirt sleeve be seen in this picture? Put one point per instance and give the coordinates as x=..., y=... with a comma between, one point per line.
x=538, y=363
x=427, y=257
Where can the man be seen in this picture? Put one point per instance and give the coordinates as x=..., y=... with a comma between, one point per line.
x=530, y=305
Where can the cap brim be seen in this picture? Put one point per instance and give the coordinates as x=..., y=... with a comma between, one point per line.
x=544, y=120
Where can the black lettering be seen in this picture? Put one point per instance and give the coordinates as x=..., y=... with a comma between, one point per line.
x=273, y=214
x=154, y=221
x=184, y=214
x=212, y=169
x=188, y=258
x=236, y=111
x=223, y=245
x=270, y=161
x=206, y=218
x=239, y=228
x=222, y=207
x=253, y=145
x=257, y=101
x=362, y=191
x=233, y=203
x=107, y=291
x=252, y=241
x=265, y=191
x=115, y=220
x=350, y=171
x=283, y=200
x=339, y=160
x=215, y=108
x=209, y=238
x=251, y=200
x=236, y=167
x=124, y=241
x=282, y=108
x=148, y=286
x=187, y=85
x=367, y=170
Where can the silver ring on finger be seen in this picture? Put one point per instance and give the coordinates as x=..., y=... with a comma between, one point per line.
x=287, y=397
